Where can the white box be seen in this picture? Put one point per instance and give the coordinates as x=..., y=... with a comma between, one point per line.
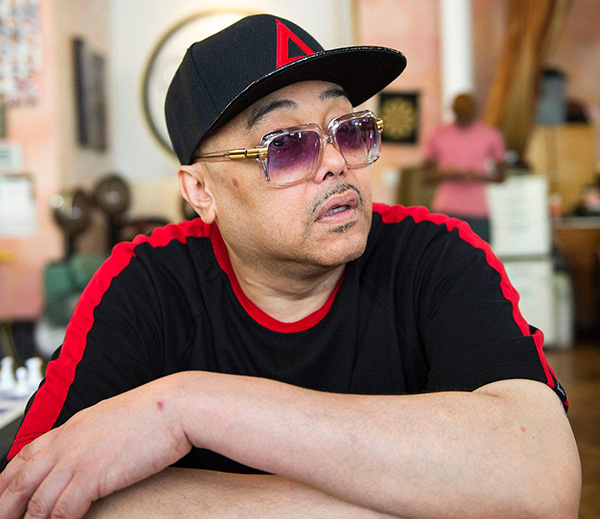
x=11, y=157
x=18, y=212
x=534, y=281
x=519, y=219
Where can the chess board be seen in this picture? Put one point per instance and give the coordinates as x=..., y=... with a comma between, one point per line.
x=10, y=410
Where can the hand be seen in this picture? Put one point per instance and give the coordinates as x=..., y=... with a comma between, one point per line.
x=104, y=448
x=465, y=175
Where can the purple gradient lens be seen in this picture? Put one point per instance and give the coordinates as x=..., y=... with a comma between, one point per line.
x=292, y=156
x=358, y=140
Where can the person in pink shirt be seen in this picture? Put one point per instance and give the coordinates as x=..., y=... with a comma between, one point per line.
x=462, y=157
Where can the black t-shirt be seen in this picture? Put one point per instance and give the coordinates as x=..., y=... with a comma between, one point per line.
x=427, y=307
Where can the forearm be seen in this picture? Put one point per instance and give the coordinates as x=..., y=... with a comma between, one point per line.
x=200, y=493
x=432, y=455
x=500, y=172
x=433, y=175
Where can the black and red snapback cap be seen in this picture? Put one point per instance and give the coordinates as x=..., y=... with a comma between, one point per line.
x=222, y=75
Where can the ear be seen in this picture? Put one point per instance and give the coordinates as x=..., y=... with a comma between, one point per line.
x=194, y=189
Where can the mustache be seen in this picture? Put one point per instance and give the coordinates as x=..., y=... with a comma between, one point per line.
x=336, y=190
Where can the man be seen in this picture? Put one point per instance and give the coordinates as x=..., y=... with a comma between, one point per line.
x=462, y=157
x=373, y=361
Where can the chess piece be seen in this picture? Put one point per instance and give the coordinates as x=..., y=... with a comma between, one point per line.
x=34, y=372
x=7, y=378
x=21, y=387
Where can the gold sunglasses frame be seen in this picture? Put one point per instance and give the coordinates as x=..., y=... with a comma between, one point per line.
x=260, y=152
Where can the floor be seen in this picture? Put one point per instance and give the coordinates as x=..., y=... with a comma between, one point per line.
x=578, y=369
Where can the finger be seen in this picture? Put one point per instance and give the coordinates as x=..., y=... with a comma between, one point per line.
x=44, y=499
x=24, y=483
x=24, y=456
x=74, y=501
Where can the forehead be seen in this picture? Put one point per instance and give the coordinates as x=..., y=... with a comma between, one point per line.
x=300, y=91
x=309, y=99
x=298, y=103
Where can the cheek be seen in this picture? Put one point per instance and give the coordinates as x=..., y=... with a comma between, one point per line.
x=362, y=180
x=285, y=212
x=284, y=216
x=235, y=186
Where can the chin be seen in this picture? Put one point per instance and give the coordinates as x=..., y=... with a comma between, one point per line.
x=345, y=249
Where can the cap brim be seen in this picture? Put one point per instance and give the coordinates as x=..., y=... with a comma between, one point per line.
x=361, y=71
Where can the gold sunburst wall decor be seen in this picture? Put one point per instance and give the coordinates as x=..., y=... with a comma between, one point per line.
x=400, y=114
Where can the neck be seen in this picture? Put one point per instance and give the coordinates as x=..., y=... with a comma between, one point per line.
x=464, y=123
x=283, y=292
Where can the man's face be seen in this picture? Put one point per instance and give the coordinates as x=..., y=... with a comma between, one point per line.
x=293, y=225
x=464, y=109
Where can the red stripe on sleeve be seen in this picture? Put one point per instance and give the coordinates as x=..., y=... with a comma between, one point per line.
x=394, y=214
x=60, y=373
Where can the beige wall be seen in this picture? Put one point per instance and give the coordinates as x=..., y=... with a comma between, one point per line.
x=81, y=167
x=50, y=151
x=89, y=20
x=410, y=26
x=48, y=133
x=37, y=130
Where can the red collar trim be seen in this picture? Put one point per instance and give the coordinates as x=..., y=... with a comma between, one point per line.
x=253, y=311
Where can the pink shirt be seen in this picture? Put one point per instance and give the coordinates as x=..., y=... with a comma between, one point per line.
x=475, y=148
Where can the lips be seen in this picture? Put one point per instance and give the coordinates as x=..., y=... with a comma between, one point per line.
x=337, y=204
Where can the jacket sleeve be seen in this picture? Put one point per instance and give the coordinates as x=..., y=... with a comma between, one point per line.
x=472, y=329
x=112, y=345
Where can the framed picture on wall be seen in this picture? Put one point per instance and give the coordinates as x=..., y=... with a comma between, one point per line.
x=21, y=53
x=89, y=72
x=400, y=114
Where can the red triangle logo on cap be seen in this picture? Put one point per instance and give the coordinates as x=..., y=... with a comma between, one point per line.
x=284, y=35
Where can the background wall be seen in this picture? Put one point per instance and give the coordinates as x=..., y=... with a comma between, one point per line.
x=36, y=128
x=89, y=20
x=81, y=167
x=411, y=26
x=127, y=31
x=50, y=153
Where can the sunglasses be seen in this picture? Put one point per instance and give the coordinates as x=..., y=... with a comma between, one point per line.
x=292, y=155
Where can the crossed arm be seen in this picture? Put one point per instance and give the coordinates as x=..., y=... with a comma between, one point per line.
x=432, y=174
x=504, y=450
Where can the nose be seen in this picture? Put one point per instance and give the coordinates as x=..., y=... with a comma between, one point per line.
x=332, y=162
